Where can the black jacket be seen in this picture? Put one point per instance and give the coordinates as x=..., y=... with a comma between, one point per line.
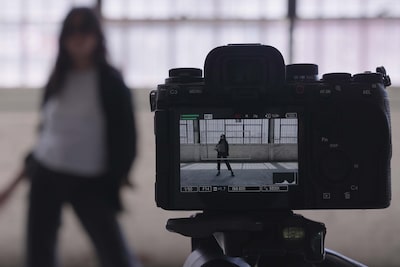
x=120, y=131
x=116, y=101
x=223, y=148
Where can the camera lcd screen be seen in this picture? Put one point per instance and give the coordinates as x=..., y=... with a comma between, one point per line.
x=236, y=153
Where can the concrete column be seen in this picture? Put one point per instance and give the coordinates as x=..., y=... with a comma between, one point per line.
x=271, y=131
x=196, y=131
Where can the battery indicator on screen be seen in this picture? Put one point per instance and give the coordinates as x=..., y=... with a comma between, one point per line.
x=291, y=115
x=208, y=116
x=190, y=117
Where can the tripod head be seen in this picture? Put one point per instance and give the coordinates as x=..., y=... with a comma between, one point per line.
x=276, y=238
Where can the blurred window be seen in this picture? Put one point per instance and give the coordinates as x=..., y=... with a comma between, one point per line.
x=29, y=33
x=147, y=37
x=348, y=9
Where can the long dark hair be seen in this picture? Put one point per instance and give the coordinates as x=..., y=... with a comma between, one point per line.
x=89, y=23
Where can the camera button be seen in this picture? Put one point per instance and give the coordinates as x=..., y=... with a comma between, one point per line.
x=335, y=166
x=337, y=77
x=300, y=89
x=366, y=92
x=325, y=92
x=326, y=195
x=173, y=92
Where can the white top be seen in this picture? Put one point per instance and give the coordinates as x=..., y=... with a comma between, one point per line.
x=73, y=138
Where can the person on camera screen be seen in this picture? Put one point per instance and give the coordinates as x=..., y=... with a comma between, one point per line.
x=222, y=149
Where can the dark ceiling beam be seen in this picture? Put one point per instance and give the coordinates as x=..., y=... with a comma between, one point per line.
x=292, y=16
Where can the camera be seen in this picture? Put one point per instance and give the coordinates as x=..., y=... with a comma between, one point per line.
x=254, y=134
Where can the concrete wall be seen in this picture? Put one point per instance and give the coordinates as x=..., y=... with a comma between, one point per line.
x=240, y=152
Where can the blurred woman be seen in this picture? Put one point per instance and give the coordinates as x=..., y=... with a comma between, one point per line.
x=85, y=147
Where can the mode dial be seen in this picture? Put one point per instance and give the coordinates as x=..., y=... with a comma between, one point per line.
x=184, y=75
x=337, y=77
x=368, y=77
x=302, y=72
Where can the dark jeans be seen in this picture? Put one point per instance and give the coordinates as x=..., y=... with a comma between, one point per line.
x=225, y=160
x=49, y=191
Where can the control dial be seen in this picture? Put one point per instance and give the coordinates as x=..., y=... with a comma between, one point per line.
x=335, y=166
x=302, y=72
x=368, y=78
x=184, y=75
x=337, y=77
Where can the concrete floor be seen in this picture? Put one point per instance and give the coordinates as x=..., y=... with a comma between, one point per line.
x=246, y=174
x=370, y=236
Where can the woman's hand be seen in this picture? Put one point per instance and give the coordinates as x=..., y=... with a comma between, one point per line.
x=7, y=192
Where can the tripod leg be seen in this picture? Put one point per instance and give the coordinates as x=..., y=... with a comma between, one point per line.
x=209, y=243
x=207, y=253
x=284, y=261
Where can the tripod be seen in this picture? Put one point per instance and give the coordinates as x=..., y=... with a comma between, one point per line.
x=278, y=239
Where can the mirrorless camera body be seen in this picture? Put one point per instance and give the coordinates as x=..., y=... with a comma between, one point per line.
x=254, y=135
